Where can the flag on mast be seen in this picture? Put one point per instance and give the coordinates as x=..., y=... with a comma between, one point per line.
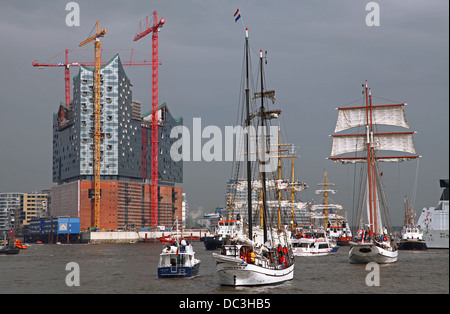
x=237, y=15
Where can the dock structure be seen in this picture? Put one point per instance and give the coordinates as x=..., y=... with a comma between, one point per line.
x=98, y=237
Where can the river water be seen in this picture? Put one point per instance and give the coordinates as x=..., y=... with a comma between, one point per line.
x=132, y=269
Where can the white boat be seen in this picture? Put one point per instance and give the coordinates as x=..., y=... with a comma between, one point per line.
x=236, y=267
x=367, y=252
x=434, y=221
x=375, y=241
x=313, y=243
x=263, y=254
x=178, y=260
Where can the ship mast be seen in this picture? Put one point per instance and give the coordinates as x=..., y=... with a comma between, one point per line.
x=371, y=159
x=263, y=173
x=247, y=123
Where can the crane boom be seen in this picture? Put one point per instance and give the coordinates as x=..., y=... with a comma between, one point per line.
x=67, y=66
x=97, y=126
x=154, y=127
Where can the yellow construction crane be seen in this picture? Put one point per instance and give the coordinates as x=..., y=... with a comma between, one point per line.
x=97, y=113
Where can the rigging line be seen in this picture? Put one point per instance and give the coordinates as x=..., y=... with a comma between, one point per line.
x=394, y=101
x=415, y=184
x=53, y=57
x=350, y=103
x=384, y=201
x=239, y=116
x=91, y=31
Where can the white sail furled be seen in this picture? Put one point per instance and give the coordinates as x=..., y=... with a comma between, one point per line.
x=352, y=117
x=328, y=206
x=283, y=204
x=323, y=191
x=393, y=141
x=241, y=185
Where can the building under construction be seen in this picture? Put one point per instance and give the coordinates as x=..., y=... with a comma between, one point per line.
x=125, y=156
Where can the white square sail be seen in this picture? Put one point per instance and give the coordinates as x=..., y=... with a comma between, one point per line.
x=381, y=114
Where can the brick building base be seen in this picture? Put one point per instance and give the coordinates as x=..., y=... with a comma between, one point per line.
x=124, y=204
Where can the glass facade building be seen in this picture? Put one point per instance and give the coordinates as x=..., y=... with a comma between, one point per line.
x=125, y=151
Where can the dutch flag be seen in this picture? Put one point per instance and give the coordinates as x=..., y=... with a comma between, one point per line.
x=237, y=15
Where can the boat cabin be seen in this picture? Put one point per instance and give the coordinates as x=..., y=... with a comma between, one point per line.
x=228, y=227
x=176, y=256
x=412, y=233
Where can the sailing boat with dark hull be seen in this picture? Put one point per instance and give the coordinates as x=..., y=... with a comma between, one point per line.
x=262, y=255
x=375, y=241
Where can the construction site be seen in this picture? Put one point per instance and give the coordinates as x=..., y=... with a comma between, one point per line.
x=111, y=159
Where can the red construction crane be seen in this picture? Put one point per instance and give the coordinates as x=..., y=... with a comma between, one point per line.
x=154, y=29
x=66, y=64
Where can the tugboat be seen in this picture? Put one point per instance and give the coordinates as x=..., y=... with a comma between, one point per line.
x=412, y=235
x=9, y=246
x=226, y=229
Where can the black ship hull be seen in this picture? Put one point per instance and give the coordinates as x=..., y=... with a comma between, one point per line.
x=412, y=245
x=9, y=250
x=213, y=243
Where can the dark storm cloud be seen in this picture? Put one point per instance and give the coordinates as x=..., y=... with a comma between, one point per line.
x=319, y=53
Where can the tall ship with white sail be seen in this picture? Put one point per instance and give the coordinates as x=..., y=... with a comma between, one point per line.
x=334, y=223
x=375, y=241
x=434, y=221
x=262, y=255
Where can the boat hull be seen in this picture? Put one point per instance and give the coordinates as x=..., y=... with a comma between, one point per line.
x=343, y=241
x=178, y=271
x=412, y=245
x=367, y=253
x=436, y=239
x=235, y=272
x=311, y=252
x=9, y=250
x=213, y=243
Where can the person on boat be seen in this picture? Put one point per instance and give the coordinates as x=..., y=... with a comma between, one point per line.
x=283, y=261
x=252, y=256
x=280, y=249
x=183, y=245
x=370, y=235
x=243, y=255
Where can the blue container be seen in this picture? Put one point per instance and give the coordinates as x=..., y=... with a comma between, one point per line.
x=68, y=225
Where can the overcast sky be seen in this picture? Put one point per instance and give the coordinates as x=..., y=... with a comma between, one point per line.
x=319, y=54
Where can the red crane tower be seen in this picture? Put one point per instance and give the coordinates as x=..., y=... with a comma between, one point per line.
x=154, y=29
